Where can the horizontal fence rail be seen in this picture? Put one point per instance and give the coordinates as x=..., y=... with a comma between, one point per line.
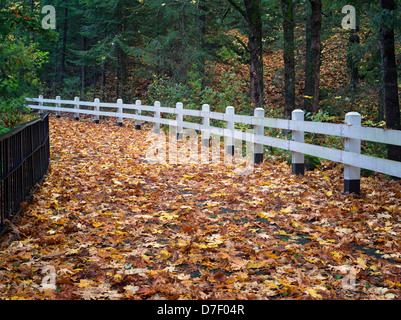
x=352, y=131
x=24, y=159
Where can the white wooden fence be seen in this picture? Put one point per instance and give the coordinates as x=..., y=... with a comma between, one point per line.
x=352, y=131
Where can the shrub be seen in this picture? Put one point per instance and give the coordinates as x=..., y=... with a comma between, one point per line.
x=12, y=113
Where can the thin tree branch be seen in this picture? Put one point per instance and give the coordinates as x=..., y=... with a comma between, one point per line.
x=239, y=9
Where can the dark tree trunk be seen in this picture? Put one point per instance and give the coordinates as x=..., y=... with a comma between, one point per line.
x=83, y=67
x=64, y=46
x=316, y=8
x=202, y=9
x=121, y=70
x=253, y=16
x=353, y=61
x=103, y=79
x=308, y=69
x=94, y=81
x=390, y=84
x=55, y=82
x=287, y=7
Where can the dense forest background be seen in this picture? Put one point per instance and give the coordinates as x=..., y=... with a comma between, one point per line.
x=279, y=55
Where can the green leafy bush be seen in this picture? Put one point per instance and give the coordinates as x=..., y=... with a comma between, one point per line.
x=20, y=60
x=12, y=113
x=193, y=96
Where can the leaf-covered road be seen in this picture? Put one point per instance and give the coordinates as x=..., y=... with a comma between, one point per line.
x=114, y=226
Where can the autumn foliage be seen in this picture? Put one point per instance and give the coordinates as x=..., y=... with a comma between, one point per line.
x=114, y=226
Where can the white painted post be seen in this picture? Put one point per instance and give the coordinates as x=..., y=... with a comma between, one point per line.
x=230, y=126
x=258, y=129
x=120, y=110
x=138, y=103
x=97, y=109
x=41, y=104
x=76, y=106
x=205, y=132
x=58, y=105
x=156, y=126
x=205, y=135
x=298, y=159
x=180, y=120
x=352, y=175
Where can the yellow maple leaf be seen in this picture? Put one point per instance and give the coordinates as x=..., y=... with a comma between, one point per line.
x=164, y=254
x=97, y=224
x=145, y=258
x=266, y=214
x=283, y=233
x=85, y=283
x=167, y=216
x=361, y=262
x=313, y=293
x=295, y=224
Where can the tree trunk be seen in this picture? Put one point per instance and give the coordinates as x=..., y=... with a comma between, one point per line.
x=94, y=81
x=353, y=63
x=254, y=13
x=64, y=46
x=253, y=16
x=316, y=8
x=103, y=79
x=54, y=86
x=308, y=57
x=121, y=70
x=287, y=7
x=118, y=76
x=380, y=115
x=201, y=26
x=389, y=69
x=83, y=67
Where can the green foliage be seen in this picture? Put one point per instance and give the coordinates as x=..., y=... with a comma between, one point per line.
x=71, y=88
x=20, y=61
x=12, y=113
x=20, y=58
x=193, y=96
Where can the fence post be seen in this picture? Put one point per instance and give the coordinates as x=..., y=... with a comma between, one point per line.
x=41, y=104
x=230, y=126
x=97, y=109
x=352, y=175
x=180, y=120
x=156, y=126
x=58, y=105
x=138, y=112
x=258, y=129
x=120, y=110
x=76, y=106
x=205, y=136
x=298, y=159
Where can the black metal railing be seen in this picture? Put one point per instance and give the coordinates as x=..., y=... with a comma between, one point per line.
x=24, y=160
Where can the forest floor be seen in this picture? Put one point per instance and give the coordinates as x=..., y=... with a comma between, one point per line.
x=107, y=224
